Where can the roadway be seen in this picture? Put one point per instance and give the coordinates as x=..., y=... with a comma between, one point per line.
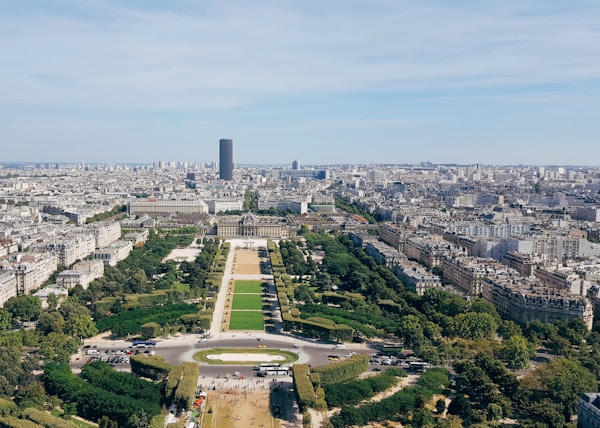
x=178, y=349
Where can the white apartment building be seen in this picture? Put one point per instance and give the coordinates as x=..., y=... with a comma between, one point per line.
x=82, y=273
x=114, y=253
x=31, y=270
x=8, y=286
x=416, y=277
x=431, y=252
x=104, y=233
x=70, y=278
x=300, y=207
x=137, y=237
x=95, y=267
x=71, y=249
x=467, y=273
x=166, y=206
x=523, y=300
x=223, y=205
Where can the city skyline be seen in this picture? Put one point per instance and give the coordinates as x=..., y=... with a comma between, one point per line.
x=379, y=82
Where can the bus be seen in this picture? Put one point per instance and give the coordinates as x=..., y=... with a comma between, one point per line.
x=274, y=371
x=144, y=344
x=265, y=366
x=419, y=366
x=393, y=346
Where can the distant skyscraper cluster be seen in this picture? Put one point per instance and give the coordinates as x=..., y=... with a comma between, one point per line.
x=226, y=159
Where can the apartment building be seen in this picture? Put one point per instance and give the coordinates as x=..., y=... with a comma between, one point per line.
x=560, y=247
x=430, y=252
x=137, y=236
x=82, y=273
x=299, y=207
x=223, y=205
x=587, y=214
x=588, y=412
x=153, y=206
x=114, y=253
x=394, y=235
x=523, y=300
x=559, y=278
x=30, y=270
x=8, y=286
x=381, y=253
x=104, y=233
x=70, y=249
x=467, y=273
x=522, y=263
x=416, y=277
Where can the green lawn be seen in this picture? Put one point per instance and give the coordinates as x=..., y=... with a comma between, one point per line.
x=251, y=302
x=246, y=320
x=248, y=287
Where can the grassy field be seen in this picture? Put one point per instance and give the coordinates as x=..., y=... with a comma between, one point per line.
x=201, y=356
x=248, y=287
x=246, y=320
x=252, y=302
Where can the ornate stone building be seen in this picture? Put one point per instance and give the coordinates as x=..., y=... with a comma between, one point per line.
x=255, y=226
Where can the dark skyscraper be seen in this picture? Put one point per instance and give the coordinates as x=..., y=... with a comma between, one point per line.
x=226, y=159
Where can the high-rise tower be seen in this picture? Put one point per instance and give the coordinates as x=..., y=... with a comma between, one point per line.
x=226, y=159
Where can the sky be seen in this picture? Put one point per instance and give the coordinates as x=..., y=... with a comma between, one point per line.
x=324, y=82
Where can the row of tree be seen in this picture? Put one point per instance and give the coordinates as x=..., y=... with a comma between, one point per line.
x=470, y=336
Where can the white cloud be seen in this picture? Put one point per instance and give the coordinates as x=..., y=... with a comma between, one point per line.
x=230, y=55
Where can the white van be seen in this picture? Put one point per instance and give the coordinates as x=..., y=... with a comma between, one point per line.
x=92, y=352
x=339, y=346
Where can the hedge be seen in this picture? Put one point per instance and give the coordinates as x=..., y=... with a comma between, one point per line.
x=12, y=422
x=152, y=367
x=305, y=393
x=354, y=391
x=186, y=389
x=7, y=407
x=173, y=380
x=341, y=371
x=46, y=419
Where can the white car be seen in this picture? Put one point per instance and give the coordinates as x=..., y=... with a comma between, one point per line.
x=204, y=339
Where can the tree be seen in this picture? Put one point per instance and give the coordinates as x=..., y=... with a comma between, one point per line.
x=494, y=412
x=32, y=395
x=440, y=405
x=52, y=302
x=461, y=407
x=71, y=309
x=105, y=422
x=475, y=325
x=150, y=330
x=24, y=307
x=5, y=320
x=450, y=421
x=485, y=307
x=474, y=381
x=304, y=294
x=517, y=352
x=423, y=418
x=561, y=381
x=58, y=347
x=509, y=328
x=50, y=322
x=411, y=330
x=81, y=326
